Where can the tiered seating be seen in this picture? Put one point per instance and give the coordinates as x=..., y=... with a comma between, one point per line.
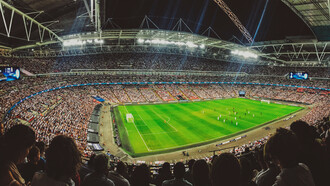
x=120, y=94
x=163, y=93
x=175, y=91
x=149, y=94
x=186, y=90
x=201, y=92
x=134, y=95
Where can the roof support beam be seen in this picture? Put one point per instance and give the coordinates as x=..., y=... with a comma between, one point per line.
x=234, y=19
x=25, y=17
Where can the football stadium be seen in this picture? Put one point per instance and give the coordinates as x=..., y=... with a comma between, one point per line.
x=176, y=92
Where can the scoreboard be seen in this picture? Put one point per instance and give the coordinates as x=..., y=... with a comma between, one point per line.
x=9, y=73
x=298, y=75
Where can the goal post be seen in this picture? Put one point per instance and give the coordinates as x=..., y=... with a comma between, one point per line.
x=266, y=101
x=129, y=118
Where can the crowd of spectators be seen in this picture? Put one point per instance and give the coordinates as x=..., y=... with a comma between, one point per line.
x=151, y=61
x=297, y=155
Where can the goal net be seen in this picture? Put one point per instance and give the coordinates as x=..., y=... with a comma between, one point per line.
x=129, y=118
x=266, y=101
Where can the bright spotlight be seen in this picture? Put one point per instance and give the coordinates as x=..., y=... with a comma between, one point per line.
x=245, y=54
x=191, y=44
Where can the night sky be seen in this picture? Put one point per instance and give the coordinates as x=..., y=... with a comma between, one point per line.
x=278, y=22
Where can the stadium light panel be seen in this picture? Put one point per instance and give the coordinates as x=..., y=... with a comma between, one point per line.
x=245, y=54
x=165, y=42
x=140, y=40
x=191, y=44
x=73, y=42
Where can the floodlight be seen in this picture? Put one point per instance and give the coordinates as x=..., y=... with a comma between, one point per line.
x=191, y=44
x=245, y=54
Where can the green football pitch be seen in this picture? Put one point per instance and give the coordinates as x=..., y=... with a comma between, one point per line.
x=159, y=128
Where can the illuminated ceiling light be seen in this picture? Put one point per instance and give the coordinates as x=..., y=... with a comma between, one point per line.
x=245, y=54
x=191, y=44
x=165, y=42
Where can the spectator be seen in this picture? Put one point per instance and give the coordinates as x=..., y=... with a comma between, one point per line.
x=141, y=176
x=225, y=170
x=63, y=161
x=246, y=172
x=311, y=152
x=99, y=176
x=42, y=162
x=178, y=180
x=118, y=176
x=15, y=147
x=28, y=169
x=164, y=174
x=270, y=170
x=201, y=173
x=188, y=174
x=283, y=149
x=89, y=168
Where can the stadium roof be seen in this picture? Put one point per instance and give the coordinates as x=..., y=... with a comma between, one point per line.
x=36, y=24
x=315, y=13
x=70, y=16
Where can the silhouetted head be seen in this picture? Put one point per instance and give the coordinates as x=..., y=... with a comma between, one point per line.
x=101, y=163
x=246, y=170
x=41, y=145
x=303, y=131
x=18, y=141
x=63, y=158
x=191, y=163
x=283, y=147
x=34, y=155
x=121, y=168
x=225, y=170
x=141, y=176
x=201, y=173
x=179, y=170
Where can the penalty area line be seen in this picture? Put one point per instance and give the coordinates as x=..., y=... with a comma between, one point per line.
x=176, y=130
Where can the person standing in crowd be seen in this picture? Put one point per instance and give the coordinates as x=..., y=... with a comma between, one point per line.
x=87, y=168
x=141, y=176
x=118, y=176
x=15, y=147
x=188, y=174
x=164, y=174
x=246, y=172
x=178, y=180
x=267, y=176
x=201, y=173
x=226, y=170
x=99, y=176
x=311, y=152
x=28, y=169
x=41, y=163
x=63, y=161
x=284, y=149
